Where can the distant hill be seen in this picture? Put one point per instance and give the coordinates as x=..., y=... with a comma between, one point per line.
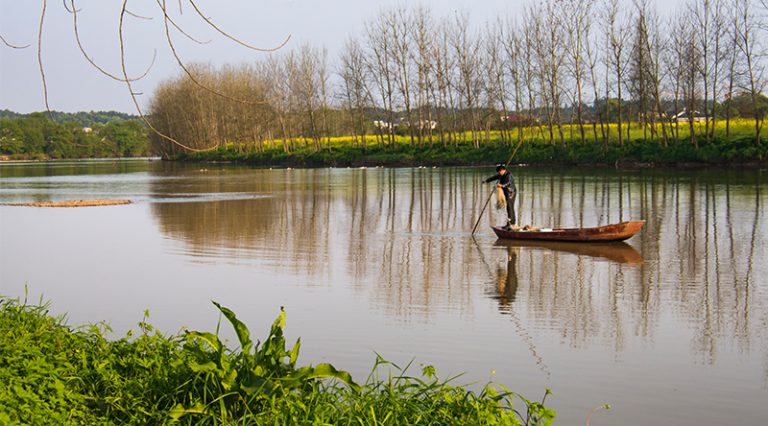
x=84, y=119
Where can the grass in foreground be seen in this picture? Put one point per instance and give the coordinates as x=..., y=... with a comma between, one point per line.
x=54, y=374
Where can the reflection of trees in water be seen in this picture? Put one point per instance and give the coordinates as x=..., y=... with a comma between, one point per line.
x=714, y=262
x=700, y=244
x=404, y=233
x=406, y=237
x=283, y=215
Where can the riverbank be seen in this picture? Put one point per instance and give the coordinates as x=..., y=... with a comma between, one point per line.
x=56, y=374
x=741, y=151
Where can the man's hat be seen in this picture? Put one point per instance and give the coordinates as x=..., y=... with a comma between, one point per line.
x=500, y=167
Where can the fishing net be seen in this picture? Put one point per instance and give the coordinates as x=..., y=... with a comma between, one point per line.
x=501, y=200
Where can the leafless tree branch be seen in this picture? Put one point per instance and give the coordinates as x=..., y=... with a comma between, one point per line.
x=73, y=10
x=88, y=58
x=40, y=57
x=12, y=46
x=148, y=18
x=235, y=39
x=181, y=30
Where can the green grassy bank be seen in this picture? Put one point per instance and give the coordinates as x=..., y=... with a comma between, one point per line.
x=719, y=150
x=55, y=374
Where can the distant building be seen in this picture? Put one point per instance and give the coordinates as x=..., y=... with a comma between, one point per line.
x=684, y=117
x=384, y=125
x=421, y=124
x=519, y=119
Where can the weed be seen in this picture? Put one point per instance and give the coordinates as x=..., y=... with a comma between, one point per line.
x=55, y=374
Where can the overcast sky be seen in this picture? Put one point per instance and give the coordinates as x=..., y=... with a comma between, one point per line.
x=74, y=85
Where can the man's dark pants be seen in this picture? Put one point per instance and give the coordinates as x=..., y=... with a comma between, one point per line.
x=511, y=196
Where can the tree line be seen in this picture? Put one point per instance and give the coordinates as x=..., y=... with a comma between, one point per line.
x=77, y=135
x=563, y=71
x=83, y=118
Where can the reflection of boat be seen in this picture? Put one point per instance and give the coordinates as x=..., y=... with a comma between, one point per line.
x=614, y=251
x=615, y=232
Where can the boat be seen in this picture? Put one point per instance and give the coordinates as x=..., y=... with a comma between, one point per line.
x=613, y=232
x=614, y=251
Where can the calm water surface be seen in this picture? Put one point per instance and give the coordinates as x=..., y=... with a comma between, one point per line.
x=669, y=328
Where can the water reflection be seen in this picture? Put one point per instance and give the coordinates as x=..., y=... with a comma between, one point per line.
x=507, y=281
x=619, y=252
x=404, y=234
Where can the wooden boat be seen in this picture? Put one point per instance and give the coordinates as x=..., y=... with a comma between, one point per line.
x=615, y=251
x=614, y=232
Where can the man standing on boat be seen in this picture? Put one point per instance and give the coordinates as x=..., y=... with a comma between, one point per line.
x=507, y=185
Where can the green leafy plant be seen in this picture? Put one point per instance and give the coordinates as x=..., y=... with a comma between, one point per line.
x=54, y=374
x=254, y=373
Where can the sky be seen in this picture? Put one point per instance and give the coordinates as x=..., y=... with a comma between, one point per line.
x=74, y=85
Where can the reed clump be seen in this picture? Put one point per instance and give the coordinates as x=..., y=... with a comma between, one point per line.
x=56, y=374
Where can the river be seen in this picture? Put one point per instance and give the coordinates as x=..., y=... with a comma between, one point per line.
x=670, y=327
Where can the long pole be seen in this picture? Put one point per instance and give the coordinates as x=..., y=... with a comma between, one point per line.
x=509, y=160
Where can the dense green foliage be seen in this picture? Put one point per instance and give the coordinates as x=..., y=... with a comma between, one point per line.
x=36, y=136
x=83, y=118
x=718, y=150
x=54, y=374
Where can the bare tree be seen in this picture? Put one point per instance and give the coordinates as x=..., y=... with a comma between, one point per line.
x=379, y=65
x=732, y=71
x=321, y=58
x=529, y=64
x=719, y=55
x=656, y=47
x=748, y=43
x=592, y=60
x=357, y=96
x=278, y=94
x=513, y=46
x=577, y=22
x=445, y=79
x=496, y=82
x=618, y=35
x=305, y=90
x=645, y=71
x=466, y=50
x=400, y=28
x=639, y=69
x=689, y=63
x=536, y=24
x=709, y=29
x=424, y=40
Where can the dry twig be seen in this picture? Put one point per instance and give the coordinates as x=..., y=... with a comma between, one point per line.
x=94, y=64
x=40, y=57
x=235, y=39
x=12, y=46
x=178, y=27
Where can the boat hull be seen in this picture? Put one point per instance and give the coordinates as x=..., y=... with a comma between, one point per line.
x=614, y=232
